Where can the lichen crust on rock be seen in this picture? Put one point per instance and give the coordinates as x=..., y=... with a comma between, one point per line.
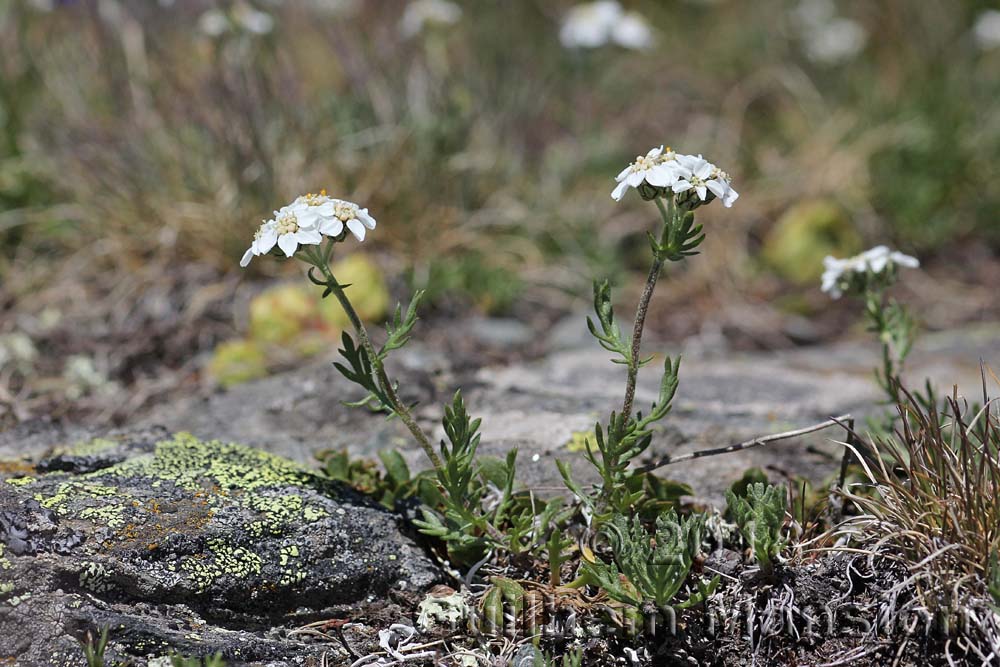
x=220, y=530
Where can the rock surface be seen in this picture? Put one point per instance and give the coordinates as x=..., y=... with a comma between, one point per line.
x=196, y=547
x=543, y=406
x=204, y=547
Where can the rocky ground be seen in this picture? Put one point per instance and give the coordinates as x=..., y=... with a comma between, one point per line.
x=175, y=542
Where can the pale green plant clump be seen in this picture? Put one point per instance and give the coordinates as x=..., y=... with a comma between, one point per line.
x=473, y=505
x=760, y=514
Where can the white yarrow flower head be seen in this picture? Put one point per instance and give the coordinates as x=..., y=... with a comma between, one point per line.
x=649, y=174
x=690, y=179
x=837, y=42
x=874, y=268
x=828, y=39
x=591, y=25
x=700, y=178
x=330, y=216
x=422, y=13
x=986, y=30
x=242, y=18
x=305, y=222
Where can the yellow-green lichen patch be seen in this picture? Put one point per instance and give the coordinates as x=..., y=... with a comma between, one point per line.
x=95, y=578
x=4, y=562
x=291, y=573
x=111, y=516
x=14, y=601
x=190, y=463
x=278, y=511
x=88, y=447
x=21, y=481
x=220, y=559
x=75, y=490
x=580, y=441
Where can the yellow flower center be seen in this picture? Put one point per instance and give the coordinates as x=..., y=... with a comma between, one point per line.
x=720, y=175
x=313, y=199
x=287, y=224
x=644, y=163
x=345, y=211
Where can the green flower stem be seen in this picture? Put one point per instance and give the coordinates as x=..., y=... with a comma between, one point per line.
x=634, y=362
x=875, y=309
x=383, y=379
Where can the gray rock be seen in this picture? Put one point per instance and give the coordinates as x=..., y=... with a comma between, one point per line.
x=543, y=406
x=198, y=547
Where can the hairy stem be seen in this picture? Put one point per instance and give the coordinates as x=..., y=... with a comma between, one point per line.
x=640, y=314
x=385, y=383
x=875, y=308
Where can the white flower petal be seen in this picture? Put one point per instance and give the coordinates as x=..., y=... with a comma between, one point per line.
x=661, y=176
x=681, y=186
x=905, y=260
x=288, y=244
x=308, y=236
x=365, y=217
x=356, y=228
x=331, y=227
x=730, y=197
x=247, y=256
x=718, y=188
x=702, y=192
x=266, y=242
x=619, y=191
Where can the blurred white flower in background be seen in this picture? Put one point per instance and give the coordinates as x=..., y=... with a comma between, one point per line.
x=334, y=7
x=986, y=30
x=838, y=41
x=594, y=24
x=421, y=13
x=17, y=351
x=242, y=18
x=828, y=39
x=253, y=20
x=82, y=377
x=838, y=273
x=213, y=23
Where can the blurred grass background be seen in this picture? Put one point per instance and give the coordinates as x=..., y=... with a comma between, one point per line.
x=143, y=141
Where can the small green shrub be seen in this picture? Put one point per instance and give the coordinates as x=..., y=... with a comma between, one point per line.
x=760, y=515
x=650, y=567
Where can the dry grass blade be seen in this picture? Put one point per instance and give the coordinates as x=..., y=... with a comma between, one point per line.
x=935, y=491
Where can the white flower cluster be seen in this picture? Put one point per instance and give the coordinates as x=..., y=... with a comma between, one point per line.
x=241, y=18
x=594, y=24
x=986, y=30
x=678, y=173
x=839, y=273
x=305, y=222
x=829, y=39
x=420, y=14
